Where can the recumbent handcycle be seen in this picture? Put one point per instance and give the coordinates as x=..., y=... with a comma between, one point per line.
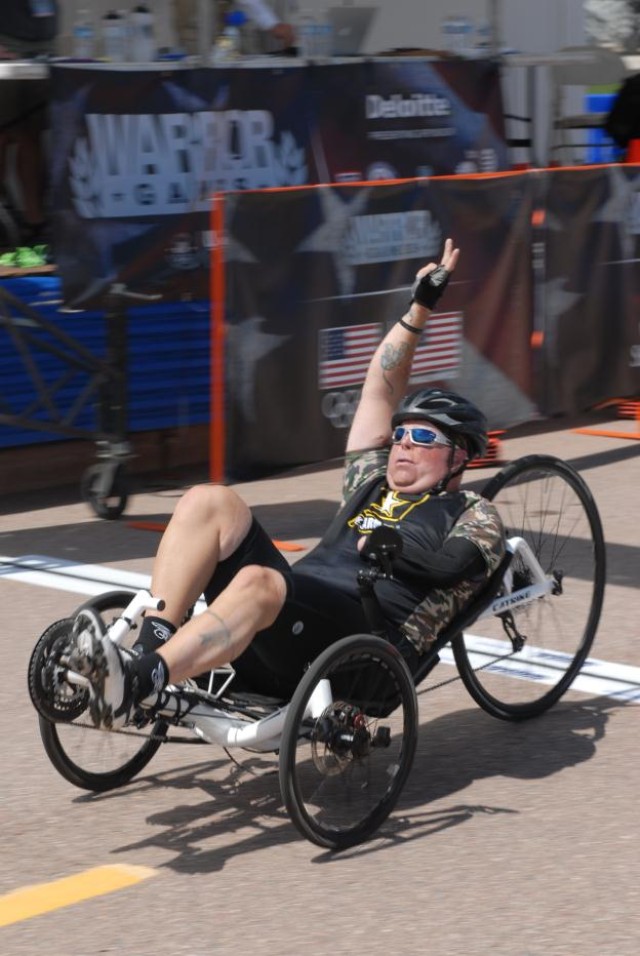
x=347, y=738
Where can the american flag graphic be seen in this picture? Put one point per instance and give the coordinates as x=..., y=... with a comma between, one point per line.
x=439, y=352
x=345, y=353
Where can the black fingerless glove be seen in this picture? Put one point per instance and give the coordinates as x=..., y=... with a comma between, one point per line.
x=427, y=290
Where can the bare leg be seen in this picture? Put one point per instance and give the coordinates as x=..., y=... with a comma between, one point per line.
x=250, y=603
x=208, y=525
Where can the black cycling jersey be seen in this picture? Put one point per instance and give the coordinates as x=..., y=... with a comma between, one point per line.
x=428, y=558
x=451, y=544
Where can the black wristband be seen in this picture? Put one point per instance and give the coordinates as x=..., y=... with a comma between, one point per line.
x=427, y=290
x=410, y=328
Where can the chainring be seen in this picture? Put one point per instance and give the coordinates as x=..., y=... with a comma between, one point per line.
x=54, y=698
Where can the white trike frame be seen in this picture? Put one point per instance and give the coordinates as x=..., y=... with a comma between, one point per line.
x=217, y=726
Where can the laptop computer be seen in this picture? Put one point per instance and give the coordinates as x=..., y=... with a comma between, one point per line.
x=350, y=26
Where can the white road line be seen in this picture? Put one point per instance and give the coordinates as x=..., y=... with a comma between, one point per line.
x=62, y=575
x=597, y=677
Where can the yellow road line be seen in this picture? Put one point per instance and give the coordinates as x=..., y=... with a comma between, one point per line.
x=43, y=897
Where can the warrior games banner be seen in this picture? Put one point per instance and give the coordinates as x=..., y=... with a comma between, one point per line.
x=313, y=279
x=137, y=154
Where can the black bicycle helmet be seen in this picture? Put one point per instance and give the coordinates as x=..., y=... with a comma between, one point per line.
x=455, y=414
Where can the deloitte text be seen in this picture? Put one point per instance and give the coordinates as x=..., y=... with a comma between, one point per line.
x=397, y=106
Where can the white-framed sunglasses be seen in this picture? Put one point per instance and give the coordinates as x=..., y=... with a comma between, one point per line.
x=419, y=435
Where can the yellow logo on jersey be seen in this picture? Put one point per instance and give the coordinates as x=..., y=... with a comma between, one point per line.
x=391, y=508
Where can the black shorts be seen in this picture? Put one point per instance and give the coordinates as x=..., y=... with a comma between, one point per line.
x=315, y=615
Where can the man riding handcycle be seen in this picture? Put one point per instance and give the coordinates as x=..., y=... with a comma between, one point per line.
x=351, y=704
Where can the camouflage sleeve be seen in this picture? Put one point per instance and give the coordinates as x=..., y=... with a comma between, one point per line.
x=481, y=523
x=360, y=466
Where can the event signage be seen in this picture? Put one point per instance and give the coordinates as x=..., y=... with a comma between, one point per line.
x=589, y=291
x=311, y=293
x=137, y=155
x=541, y=318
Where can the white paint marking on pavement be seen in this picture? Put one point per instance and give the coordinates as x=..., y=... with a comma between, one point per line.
x=603, y=678
x=62, y=575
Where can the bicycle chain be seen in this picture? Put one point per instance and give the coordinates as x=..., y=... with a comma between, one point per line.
x=125, y=732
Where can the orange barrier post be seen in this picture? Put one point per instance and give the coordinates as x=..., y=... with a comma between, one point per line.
x=217, y=435
x=633, y=151
x=627, y=408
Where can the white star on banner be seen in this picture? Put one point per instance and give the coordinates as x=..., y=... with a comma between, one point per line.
x=248, y=344
x=330, y=234
x=557, y=301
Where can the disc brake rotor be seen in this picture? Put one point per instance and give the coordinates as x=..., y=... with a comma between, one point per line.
x=340, y=736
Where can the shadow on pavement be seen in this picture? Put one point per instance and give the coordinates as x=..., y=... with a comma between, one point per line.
x=453, y=751
x=103, y=542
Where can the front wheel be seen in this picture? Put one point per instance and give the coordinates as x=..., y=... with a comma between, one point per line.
x=93, y=759
x=543, y=500
x=344, y=761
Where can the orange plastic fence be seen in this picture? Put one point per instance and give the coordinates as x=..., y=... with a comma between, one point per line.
x=160, y=526
x=626, y=408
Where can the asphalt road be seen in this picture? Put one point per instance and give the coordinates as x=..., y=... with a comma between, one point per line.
x=509, y=840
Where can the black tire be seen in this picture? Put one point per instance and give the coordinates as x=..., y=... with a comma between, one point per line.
x=108, y=503
x=342, y=773
x=543, y=500
x=100, y=760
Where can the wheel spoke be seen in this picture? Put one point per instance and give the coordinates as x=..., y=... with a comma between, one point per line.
x=96, y=759
x=541, y=499
x=342, y=772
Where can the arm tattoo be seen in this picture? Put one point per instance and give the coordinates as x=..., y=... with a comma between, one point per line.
x=392, y=356
x=221, y=636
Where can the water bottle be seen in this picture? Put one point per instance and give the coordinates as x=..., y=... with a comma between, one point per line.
x=228, y=46
x=114, y=37
x=484, y=40
x=143, y=47
x=83, y=37
x=448, y=32
x=324, y=37
x=454, y=27
x=467, y=36
x=306, y=29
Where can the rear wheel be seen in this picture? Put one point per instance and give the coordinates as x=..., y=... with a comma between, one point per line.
x=95, y=759
x=543, y=500
x=343, y=769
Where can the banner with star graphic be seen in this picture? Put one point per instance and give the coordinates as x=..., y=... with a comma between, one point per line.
x=314, y=277
x=136, y=157
x=137, y=154
x=541, y=317
x=589, y=287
